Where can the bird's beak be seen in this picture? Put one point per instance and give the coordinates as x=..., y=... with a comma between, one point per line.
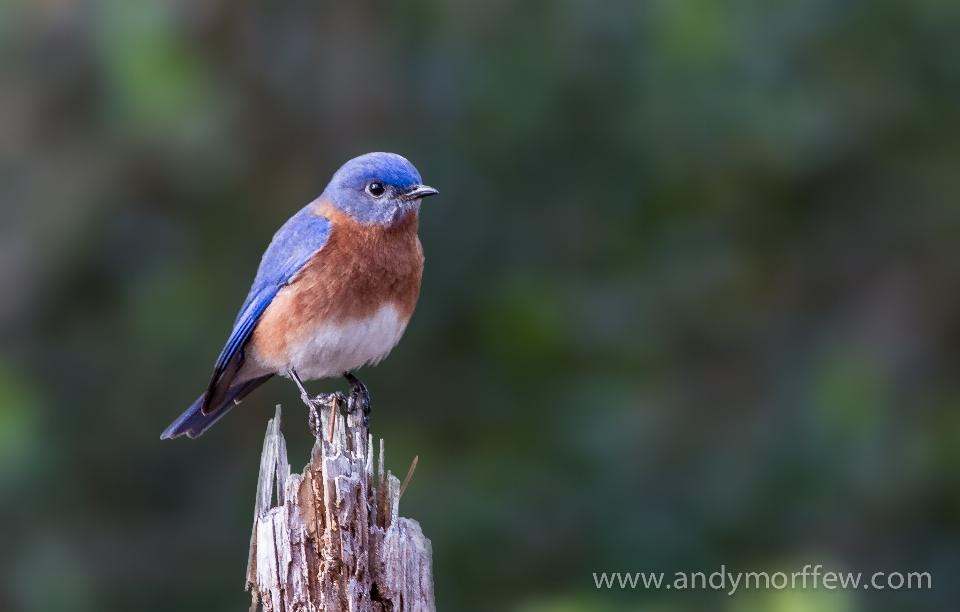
x=420, y=191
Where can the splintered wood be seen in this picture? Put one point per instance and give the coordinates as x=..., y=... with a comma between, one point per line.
x=333, y=542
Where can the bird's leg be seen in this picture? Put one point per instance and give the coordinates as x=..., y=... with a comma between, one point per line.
x=324, y=400
x=359, y=397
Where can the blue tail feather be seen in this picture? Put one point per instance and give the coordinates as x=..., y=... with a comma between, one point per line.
x=194, y=422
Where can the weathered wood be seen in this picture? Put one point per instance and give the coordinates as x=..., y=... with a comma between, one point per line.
x=334, y=542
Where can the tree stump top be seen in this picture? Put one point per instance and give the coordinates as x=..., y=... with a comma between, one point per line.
x=333, y=540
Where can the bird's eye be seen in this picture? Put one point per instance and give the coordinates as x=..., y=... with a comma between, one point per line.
x=375, y=189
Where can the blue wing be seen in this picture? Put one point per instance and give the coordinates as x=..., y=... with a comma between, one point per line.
x=291, y=248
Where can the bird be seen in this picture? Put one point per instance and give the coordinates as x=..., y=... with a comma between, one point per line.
x=334, y=291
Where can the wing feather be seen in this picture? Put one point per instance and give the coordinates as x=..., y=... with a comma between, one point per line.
x=291, y=248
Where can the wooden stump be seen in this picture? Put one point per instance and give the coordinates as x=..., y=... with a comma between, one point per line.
x=333, y=542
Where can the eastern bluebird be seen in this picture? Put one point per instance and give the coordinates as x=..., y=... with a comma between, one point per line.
x=334, y=291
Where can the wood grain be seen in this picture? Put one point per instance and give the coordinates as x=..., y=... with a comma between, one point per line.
x=334, y=541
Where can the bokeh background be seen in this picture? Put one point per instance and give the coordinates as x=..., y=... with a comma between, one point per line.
x=692, y=291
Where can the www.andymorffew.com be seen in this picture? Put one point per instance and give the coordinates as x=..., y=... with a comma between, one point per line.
x=810, y=577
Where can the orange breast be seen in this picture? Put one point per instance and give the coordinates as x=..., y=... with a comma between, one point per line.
x=359, y=269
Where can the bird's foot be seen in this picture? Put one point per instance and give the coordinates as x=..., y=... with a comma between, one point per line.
x=324, y=400
x=333, y=401
x=359, y=398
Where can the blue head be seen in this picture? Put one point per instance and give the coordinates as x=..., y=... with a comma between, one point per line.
x=377, y=188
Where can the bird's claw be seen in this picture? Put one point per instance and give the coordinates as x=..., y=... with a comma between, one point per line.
x=313, y=420
x=359, y=398
x=325, y=400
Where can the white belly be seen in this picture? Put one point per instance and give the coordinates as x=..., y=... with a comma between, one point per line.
x=332, y=349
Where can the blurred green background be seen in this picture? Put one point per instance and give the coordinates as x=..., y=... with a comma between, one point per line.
x=692, y=291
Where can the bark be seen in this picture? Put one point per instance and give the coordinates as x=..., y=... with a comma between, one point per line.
x=333, y=540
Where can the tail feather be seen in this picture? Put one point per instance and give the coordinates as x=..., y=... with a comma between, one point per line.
x=194, y=422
